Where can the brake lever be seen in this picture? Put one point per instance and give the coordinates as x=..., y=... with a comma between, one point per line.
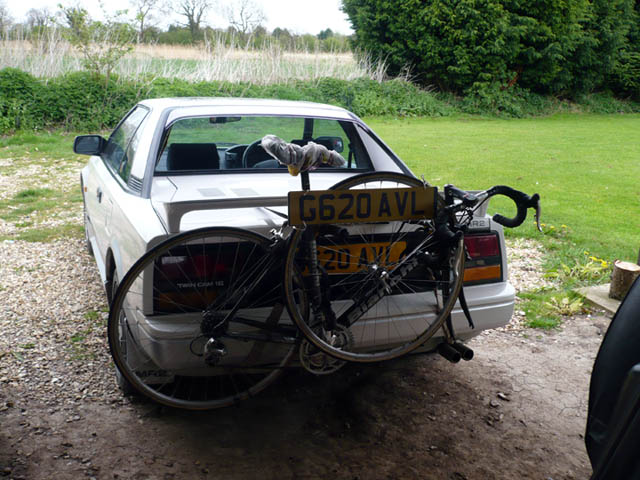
x=537, y=207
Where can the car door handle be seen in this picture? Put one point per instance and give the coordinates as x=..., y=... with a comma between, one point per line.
x=99, y=194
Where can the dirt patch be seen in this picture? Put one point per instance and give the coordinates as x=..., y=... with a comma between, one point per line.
x=516, y=411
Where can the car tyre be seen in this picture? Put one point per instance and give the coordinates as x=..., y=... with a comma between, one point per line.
x=125, y=385
x=87, y=242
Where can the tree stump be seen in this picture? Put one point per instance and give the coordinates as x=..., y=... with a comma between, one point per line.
x=624, y=273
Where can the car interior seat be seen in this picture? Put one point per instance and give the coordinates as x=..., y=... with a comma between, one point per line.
x=193, y=156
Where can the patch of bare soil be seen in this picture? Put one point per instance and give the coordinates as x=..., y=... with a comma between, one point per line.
x=516, y=411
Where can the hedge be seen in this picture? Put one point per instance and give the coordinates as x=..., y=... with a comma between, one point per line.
x=83, y=101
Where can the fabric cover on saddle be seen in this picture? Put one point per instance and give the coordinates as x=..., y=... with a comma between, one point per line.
x=301, y=158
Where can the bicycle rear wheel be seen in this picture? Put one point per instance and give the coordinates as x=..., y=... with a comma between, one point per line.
x=170, y=330
x=390, y=284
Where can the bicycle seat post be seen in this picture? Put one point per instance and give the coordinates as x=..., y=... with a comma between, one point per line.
x=304, y=178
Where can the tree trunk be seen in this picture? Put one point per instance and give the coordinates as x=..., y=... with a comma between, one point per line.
x=624, y=273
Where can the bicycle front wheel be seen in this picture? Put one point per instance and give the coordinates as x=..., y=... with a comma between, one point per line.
x=199, y=321
x=388, y=285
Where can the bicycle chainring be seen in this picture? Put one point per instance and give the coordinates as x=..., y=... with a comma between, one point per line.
x=319, y=363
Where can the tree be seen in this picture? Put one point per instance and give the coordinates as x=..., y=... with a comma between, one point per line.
x=102, y=44
x=5, y=18
x=193, y=11
x=626, y=71
x=324, y=34
x=453, y=44
x=39, y=18
x=283, y=37
x=143, y=16
x=560, y=47
x=245, y=15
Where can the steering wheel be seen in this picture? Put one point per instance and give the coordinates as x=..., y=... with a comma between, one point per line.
x=253, y=154
x=233, y=156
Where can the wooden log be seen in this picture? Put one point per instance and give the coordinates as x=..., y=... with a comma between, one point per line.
x=624, y=273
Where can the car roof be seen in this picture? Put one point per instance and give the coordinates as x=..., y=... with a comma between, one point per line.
x=184, y=106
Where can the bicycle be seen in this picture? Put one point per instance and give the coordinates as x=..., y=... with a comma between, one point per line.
x=329, y=288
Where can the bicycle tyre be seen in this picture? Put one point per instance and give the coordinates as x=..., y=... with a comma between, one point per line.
x=156, y=332
x=395, y=316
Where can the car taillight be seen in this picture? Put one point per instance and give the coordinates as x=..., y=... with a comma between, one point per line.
x=192, y=278
x=195, y=267
x=482, y=246
x=484, y=263
x=186, y=283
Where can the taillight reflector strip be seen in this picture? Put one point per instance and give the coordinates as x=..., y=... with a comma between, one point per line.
x=478, y=274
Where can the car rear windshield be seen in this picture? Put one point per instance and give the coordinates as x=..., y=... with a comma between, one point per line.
x=232, y=144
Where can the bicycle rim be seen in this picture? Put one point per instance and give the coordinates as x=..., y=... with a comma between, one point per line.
x=174, y=300
x=414, y=298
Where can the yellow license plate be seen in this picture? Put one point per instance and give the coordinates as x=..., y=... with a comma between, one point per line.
x=317, y=207
x=355, y=257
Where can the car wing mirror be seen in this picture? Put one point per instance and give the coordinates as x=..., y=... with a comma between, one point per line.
x=89, y=144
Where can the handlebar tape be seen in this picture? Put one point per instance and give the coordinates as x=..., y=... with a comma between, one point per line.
x=522, y=201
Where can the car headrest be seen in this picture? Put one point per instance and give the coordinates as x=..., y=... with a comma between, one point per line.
x=324, y=141
x=193, y=156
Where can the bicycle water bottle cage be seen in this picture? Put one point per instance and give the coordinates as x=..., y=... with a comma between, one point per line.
x=301, y=159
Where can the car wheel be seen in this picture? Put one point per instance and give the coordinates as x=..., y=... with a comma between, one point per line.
x=124, y=384
x=217, y=295
x=87, y=242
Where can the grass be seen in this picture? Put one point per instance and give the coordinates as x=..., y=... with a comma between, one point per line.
x=585, y=168
x=45, y=172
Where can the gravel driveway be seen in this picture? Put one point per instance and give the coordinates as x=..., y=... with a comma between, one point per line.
x=516, y=411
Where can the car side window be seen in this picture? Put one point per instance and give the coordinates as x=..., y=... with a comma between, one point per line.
x=123, y=142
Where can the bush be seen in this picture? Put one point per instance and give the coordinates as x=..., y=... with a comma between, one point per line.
x=84, y=101
x=627, y=74
x=487, y=98
x=18, y=93
x=560, y=48
x=450, y=44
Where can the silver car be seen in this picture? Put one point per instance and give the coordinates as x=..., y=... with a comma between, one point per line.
x=177, y=164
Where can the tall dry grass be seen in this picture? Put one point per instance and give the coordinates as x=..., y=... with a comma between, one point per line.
x=50, y=56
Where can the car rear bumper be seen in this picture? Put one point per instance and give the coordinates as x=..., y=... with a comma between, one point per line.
x=168, y=341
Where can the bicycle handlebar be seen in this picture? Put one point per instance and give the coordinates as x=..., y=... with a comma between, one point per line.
x=521, y=199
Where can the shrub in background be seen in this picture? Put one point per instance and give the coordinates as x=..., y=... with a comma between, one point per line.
x=18, y=93
x=566, y=48
x=83, y=101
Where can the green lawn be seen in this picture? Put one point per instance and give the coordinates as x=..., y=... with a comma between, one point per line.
x=43, y=201
x=586, y=168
